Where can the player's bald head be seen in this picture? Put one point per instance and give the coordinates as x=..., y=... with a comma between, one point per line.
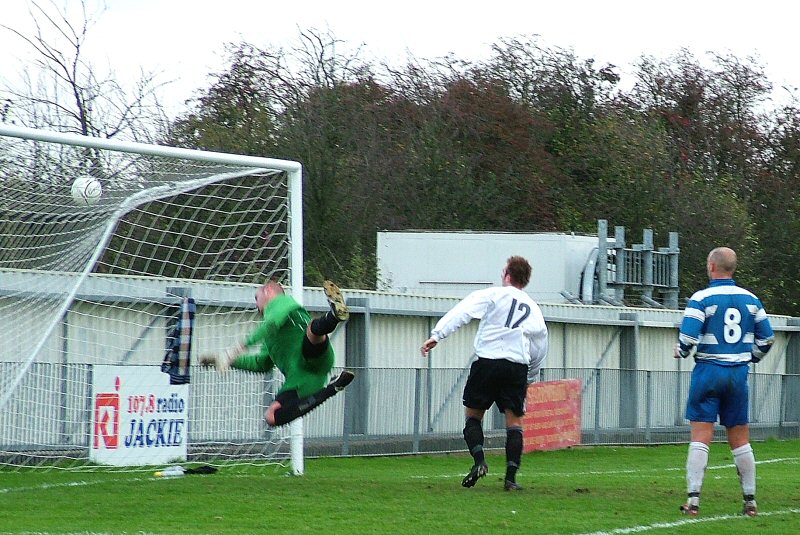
x=722, y=261
x=267, y=293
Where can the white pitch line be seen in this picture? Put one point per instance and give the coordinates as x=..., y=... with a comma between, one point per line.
x=639, y=471
x=45, y=486
x=631, y=471
x=678, y=523
x=80, y=533
x=75, y=533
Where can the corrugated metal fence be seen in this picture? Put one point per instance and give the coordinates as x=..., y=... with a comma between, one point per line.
x=396, y=411
x=633, y=391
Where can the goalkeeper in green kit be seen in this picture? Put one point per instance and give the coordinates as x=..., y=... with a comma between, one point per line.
x=299, y=347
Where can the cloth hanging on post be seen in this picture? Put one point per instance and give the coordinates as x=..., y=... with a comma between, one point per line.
x=177, y=360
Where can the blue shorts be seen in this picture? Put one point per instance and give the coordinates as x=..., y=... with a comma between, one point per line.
x=718, y=391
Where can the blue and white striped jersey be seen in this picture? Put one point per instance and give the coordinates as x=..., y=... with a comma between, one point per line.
x=727, y=323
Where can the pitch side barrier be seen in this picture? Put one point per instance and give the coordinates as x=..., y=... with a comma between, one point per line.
x=632, y=391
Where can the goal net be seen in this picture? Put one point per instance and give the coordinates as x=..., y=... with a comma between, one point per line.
x=107, y=303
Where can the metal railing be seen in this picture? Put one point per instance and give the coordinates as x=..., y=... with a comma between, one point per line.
x=395, y=411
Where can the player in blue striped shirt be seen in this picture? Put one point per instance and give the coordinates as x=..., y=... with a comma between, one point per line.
x=728, y=328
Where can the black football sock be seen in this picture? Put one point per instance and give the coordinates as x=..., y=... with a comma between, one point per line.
x=324, y=324
x=286, y=413
x=513, y=452
x=473, y=436
x=300, y=407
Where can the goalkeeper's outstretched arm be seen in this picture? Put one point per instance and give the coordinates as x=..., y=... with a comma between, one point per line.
x=236, y=357
x=222, y=361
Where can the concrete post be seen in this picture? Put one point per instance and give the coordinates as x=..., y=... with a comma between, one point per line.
x=629, y=365
x=356, y=344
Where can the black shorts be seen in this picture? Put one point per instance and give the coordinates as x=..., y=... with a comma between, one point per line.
x=497, y=381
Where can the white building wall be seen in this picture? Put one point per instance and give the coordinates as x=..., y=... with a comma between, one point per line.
x=581, y=336
x=456, y=263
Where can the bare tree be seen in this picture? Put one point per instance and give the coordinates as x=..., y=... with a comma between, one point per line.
x=63, y=91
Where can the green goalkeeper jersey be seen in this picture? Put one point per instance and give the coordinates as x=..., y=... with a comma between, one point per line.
x=280, y=336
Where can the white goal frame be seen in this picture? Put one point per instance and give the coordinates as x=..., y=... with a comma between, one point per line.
x=295, y=228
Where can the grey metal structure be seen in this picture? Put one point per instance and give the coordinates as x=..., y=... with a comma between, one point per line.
x=567, y=267
x=640, y=267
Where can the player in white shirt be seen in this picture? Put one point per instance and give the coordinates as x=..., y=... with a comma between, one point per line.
x=510, y=346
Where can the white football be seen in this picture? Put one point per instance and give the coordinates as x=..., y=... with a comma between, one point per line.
x=86, y=190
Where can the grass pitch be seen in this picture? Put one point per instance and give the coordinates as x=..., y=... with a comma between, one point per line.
x=582, y=490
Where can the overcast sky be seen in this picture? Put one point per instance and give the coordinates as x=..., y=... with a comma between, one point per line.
x=184, y=38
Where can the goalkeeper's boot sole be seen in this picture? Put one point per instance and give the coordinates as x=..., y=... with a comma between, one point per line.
x=336, y=301
x=344, y=379
x=475, y=473
x=690, y=510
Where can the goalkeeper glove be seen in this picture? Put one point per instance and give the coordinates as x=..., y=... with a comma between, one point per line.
x=223, y=361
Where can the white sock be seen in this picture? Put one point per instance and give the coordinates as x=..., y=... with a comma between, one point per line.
x=696, y=466
x=746, y=466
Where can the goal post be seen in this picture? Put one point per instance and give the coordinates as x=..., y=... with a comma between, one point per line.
x=90, y=285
